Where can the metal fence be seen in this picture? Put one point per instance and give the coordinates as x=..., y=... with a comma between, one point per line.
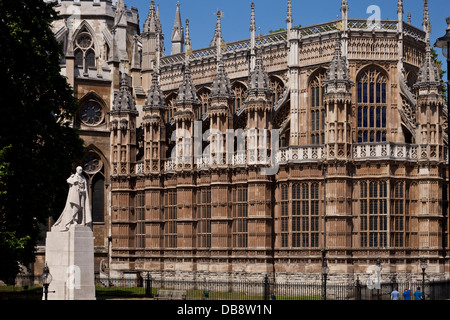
x=266, y=289
x=434, y=290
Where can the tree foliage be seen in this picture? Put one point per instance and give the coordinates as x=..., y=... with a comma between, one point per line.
x=39, y=147
x=442, y=72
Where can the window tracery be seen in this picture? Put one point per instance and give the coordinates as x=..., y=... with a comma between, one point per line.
x=372, y=106
x=84, y=51
x=240, y=95
x=305, y=215
x=373, y=214
x=317, y=108
x=277, y=87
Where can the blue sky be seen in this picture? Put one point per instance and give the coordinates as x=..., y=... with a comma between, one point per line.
x=271, y=15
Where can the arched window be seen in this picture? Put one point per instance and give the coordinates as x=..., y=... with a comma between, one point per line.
x=204, y=95
x=91, y=112
x=204, y=218
x=240, y=93
x=170, y=219
x=284, y=215
x=171, y=109
x=373, y=214
x=411, y=80
x=317, y=108
x=277, y=87
x=84, y=51
x=372, y=106
x=140, y=219
x=305, y=215
x=399, y=216
x=240, y=216
x=94, y=168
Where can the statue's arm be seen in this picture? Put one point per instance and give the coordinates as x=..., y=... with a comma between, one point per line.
x=71, y=180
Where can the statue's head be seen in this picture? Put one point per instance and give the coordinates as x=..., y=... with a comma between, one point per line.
x=79, y=170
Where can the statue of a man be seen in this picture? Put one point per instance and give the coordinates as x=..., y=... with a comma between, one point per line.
x=77, y=209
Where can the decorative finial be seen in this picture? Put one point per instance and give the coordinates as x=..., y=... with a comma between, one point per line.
x=400, y=7
x=252, y=19
x=289, y=18
x=426, y=18
x=188, y=40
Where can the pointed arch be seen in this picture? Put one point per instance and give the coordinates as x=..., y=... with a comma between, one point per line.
x=93, y=110
x=86, y=27
x=171, y=108
x=96, y=168
x=86, y=47
x=317, y=110
x=277, y=85
x=372, y=104
x=204, y=93
x=239, y=89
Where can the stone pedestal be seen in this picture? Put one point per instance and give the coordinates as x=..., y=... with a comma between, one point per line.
x=70, y=259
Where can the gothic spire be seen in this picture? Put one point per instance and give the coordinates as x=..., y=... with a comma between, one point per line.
x=344, y=9
x=252, y=18
x=289, y=18
x=187, y=94
x=344, y=5
x=158, y=19
x=259, y=79
x=187, y=40
x=400, y=7
x=136, y=59
x=155, y=97
x=119, y=16
x=177, y=33
x=69, y=49
x=221, y=87
x=123, y=100
x=426, y=18
x=429, y=75
x=150, y=24
x=338, y=74
x=252, y=37
x=218, y=30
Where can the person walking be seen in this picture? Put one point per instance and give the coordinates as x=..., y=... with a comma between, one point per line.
x=395, y=294
x=418, y=295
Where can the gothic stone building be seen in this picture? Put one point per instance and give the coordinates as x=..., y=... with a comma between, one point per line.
x=267, y=155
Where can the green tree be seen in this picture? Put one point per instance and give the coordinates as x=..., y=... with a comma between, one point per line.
x=442, y=72
x=38, y=146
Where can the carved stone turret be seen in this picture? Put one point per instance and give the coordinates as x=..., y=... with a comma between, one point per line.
x=337, y=99
x=123, y=124
x=155, y=110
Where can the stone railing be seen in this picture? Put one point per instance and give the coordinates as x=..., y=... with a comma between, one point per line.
x=305, y=32
x=300, y=154
x=321, y=28
x=414, y=32
x=361, y=24
x=314, y=153
x=398, y=152
x=384, y=151
x=231, y=47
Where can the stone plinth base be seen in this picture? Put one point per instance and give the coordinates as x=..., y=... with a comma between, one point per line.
x=70, y=259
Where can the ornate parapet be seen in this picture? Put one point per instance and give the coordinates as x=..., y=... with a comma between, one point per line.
x=398, y=152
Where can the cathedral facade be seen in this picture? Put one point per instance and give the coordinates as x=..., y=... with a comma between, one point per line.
x=268, y=155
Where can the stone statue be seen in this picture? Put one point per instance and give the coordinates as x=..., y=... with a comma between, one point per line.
x=77, y=209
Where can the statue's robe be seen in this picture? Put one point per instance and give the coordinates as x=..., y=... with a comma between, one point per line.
x=77, y=209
